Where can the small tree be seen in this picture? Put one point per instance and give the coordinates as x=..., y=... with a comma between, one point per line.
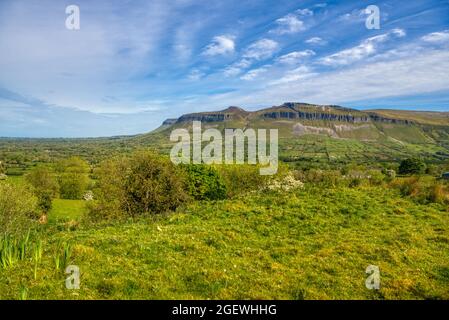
x=17, y=209
x=144, y=183
x=45, y=187
x=412, y=166
x=2, y=171
x=73, y=177
x=204, y=182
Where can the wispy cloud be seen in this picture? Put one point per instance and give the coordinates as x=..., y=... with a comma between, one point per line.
x=262, y=49
x=292, y=23
x=253, y=74
x=195, y=75
x=316, y=41
x=437, y=37
x=299, y=73
x=365, y=49
x=221, y=45
x=295, y=56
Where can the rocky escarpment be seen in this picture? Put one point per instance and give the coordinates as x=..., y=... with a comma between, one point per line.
x=169, y=122
x=316, y=116
x=231, y=113
x=377, y=118
x=291, y=111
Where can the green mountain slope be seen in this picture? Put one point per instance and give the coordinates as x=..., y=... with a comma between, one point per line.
x=329, y=133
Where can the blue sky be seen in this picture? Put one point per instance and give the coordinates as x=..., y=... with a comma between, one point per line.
x=133, y=64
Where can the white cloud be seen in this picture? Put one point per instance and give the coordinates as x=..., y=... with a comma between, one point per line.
x=384, y=79
x=221, y=45
x=237, y=68
x=295, y=56
x=355, y=15
x=262, y=49
x=195, y=75
x=315, y=41
x=365, y=49
x=300, y=73
x=304, y=12
x=253, y=74
x=288, y=24
x=436, y=37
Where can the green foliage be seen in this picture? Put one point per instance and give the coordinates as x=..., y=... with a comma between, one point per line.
x=18, y=207
x=13, y=249
x=144, y=183
x=412, y=166
x=243, y=178
x=252, y=248
x=376, y=177
x=422, y=189
x=45, y=202
x=2, y=168
x=45, y=186
x=204, y=182
x=326, y=178
x=73, y=177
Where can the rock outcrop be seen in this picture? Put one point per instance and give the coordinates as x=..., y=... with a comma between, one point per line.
x=291, y=111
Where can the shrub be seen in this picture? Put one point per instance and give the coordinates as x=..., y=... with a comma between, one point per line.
x=243, y=178
x=327, y=178
x=204, y=182
x=286, y=183
x=422, y=190
x=2, y=171
x=437, y=194
x=145, y=183
x=390, y=174
x=18, y=208
x=73, y=177
x=375, y=177
x=2, y=168
x=412, y=166
x=45, y=186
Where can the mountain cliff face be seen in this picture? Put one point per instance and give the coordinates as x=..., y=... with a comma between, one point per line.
x=330, y=132
x=308, y=112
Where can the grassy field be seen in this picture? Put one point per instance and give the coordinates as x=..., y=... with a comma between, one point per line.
x=66, y=210
x=313, y=243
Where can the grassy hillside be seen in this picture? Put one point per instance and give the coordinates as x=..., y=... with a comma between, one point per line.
x=313, y=243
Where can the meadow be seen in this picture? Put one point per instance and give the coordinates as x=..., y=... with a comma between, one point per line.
x=313, y=242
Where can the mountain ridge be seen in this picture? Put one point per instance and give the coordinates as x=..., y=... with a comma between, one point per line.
x=310, y=112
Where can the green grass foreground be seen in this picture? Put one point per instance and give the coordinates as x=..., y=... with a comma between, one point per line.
x=309, y=244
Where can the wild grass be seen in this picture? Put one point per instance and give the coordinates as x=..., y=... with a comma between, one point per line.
x=311, y=243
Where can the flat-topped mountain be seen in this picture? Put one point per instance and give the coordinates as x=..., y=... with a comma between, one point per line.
x=329, y=132
x=297, y=119
x=310, y=112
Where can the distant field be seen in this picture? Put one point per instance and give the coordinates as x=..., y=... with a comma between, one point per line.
x=66, y=210
x=311, y=244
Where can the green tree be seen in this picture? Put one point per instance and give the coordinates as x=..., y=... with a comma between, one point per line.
x=2, y=168
x=72, y=177
x=2, y=171
x=204, y=182
x=18, y=208
x=144, y=183
x=412, y=166
x=45, y=186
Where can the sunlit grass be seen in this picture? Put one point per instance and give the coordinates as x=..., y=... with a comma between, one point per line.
x=311, y=244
